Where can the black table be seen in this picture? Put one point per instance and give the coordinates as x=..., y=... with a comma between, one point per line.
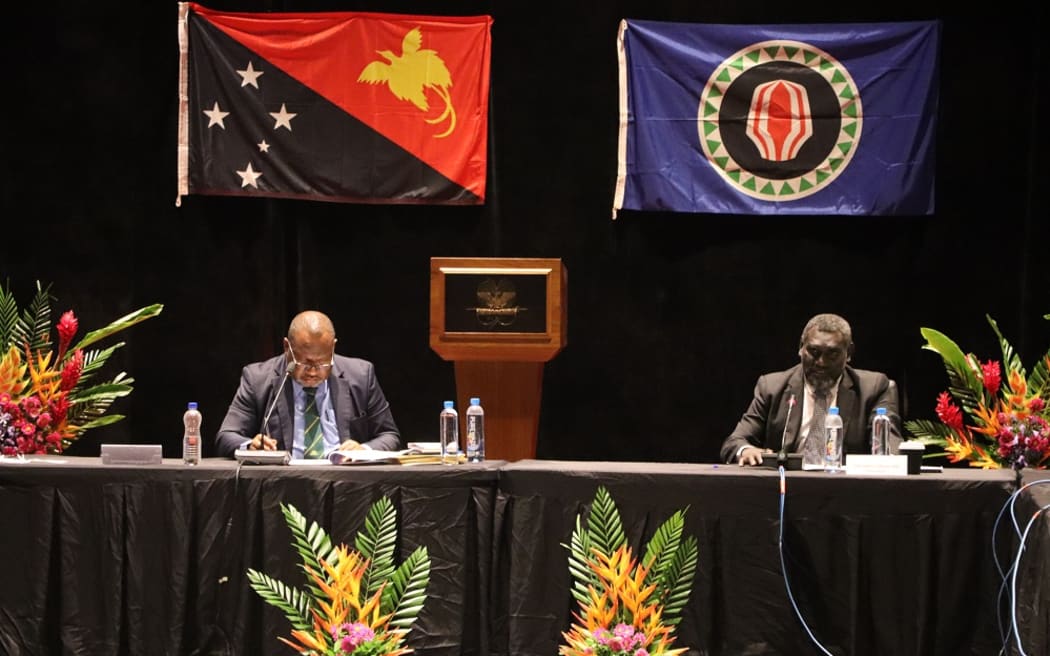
x=899, y=565
x=112, y=560
x=101, y=560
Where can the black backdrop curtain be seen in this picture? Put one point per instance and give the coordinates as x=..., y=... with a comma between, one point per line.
x=672, y=316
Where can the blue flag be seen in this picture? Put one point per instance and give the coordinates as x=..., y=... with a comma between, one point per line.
x=778, y=119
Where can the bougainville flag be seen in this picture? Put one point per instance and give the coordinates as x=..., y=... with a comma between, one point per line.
x=777, y=119
x=337, y=106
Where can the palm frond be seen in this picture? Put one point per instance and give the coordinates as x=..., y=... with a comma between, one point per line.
x=406, y=593
x=294, y=603
x=120, y=324
x=660, y=551
x=33, y=328
x=580, y=555
x=604, y=528
x=677, y=580
x=376, y=543
x=924, y=429
x=310, y=541
x=8, y=317
x=1011, y=361
x=94, y=359
x=962, y=381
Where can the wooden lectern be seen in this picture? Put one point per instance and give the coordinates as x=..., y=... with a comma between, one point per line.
x=499, y=320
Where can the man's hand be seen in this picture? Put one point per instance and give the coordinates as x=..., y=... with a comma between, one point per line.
x=350, y=445
x=263, y=442
x=752, y=455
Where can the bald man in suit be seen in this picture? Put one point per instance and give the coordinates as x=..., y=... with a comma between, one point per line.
x=345, y=395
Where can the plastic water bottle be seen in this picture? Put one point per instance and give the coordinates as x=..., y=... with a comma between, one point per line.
x=475, y=431
x=191, y=435
x=880, y=433
x=448, y=428
x=833, y=440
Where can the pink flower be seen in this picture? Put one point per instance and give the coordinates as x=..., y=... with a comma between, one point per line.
x=991, y=376
x=1036, y=404
x=32, y=406
x=44, y=420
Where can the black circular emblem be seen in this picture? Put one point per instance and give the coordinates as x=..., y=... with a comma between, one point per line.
x=779, y=120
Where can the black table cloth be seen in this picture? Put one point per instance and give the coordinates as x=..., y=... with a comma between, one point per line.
x=879, y=566
x=101, y=560
x=110, y=560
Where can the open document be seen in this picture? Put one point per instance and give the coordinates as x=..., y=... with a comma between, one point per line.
x=415, y=454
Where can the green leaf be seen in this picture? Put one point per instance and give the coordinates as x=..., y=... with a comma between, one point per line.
x=661, y=549
x=1010, y=358
x=604, y=528
x=924, y=429
x=120, y=324
x=311, y=542
x=603, y=534
x=105, y=420
x=677, y=580
x=34, y=326
x=405, y=595
x=8, y=317
x=103, y=391
x=376, y=543
x=962, y=380
x=295, y=604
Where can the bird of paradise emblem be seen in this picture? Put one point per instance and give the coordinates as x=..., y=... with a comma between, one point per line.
x=411, y=74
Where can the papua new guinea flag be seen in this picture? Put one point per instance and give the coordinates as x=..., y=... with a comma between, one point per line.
x=778, y=119
x=337, y=106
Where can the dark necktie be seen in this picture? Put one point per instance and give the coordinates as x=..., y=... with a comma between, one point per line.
x=813, y=449
x=313, y=436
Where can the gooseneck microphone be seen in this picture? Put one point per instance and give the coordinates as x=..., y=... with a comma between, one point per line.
x=263, y=429
x=781, y=455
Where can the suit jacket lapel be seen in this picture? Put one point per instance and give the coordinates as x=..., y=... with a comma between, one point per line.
x=847, y=402
x=795, y=387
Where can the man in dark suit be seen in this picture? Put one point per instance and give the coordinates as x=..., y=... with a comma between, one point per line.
x=822, y=379
x=328, y=401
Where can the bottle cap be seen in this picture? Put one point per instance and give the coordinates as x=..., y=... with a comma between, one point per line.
x=192, y=405
x=833, y=410
x=475, y=400
x=880, y=411
x=448, y=405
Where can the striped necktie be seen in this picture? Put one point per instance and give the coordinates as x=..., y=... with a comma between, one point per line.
x=813, y=449
x=313, y=436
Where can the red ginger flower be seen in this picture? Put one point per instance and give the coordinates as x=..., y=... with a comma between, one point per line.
x=67, y=327
x=991, y=376
x=1036, y=404
x=948, y=412
x=71, y=372
x=59, y=408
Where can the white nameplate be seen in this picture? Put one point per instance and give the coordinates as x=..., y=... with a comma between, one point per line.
x=859, y=464
x=131, y=454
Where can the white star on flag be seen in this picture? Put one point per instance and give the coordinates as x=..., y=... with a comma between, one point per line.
x=283, y=117
x=248, y=176
x=250, y=76
x=263, y=146
x=215, y=116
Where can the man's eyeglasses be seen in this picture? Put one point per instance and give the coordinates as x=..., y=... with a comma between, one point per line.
x=308, y=366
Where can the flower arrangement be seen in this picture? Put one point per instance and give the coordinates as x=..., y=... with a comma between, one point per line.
x=986, y=418
x=48, y=396
x=356, y=602
x=627, y=607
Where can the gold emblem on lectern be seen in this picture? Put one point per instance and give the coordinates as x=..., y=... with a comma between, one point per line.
x=496, y=303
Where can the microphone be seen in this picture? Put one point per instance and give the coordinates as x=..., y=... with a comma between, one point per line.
x=276, y=396
x=781, y=455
